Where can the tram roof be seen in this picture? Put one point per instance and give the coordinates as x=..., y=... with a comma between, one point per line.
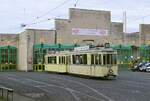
x=102, y=49
x=121, y=47
x=61, y=53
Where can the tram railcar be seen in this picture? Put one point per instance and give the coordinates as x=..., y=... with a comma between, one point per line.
x=100, y=62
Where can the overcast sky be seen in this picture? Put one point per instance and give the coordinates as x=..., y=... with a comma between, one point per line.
x=35, y=13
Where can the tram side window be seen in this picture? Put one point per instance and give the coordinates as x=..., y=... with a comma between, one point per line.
x=92, y=59
x=62, y=60
x=108, y=58
x=96, y=59
x=104, y=59
x=79, y=59
x=52, y=60
x=100, y=59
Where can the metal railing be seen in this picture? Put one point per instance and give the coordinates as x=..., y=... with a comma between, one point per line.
x=6, y=93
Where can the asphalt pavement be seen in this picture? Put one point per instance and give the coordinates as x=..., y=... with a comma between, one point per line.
x=40, y=86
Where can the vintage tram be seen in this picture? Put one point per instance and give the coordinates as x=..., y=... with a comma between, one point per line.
x=97, y=62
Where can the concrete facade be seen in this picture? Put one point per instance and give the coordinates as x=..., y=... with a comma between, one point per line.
x=88, y=19
x=78, y=18
x=9, y=39
x=116, y=35
x=132, y=39
x=62, y=27
x=26, y=41
x=144, y=33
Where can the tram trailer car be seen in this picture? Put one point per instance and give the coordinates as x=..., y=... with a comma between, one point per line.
x=95, y=63
x=57, y=62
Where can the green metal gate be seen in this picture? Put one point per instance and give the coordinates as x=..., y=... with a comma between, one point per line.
x=8, y=58
x=124, y=55
x=39, y=51
x=144, y=53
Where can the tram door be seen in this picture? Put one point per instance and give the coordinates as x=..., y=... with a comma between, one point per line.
x=95, y=61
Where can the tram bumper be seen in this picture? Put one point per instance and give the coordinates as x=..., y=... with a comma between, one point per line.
x=112, y=72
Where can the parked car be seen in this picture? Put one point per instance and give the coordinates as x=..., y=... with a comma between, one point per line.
x=148, y=69
x=139, y=67
x=144, y=67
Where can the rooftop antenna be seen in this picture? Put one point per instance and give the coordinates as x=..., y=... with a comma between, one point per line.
x=124, y=22
x=23, y=25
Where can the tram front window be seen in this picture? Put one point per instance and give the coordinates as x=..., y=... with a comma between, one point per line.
x=109, y=59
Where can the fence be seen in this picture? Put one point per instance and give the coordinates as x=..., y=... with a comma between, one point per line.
x=8, y=58
x=6, y=94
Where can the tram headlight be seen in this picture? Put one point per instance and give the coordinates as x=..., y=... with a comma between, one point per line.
x=110, y=71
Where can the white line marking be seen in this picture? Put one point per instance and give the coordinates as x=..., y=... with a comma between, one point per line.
x=94, y=90
x=44, y=85
x=101, y=94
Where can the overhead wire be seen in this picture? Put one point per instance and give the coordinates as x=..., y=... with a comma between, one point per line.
x=48, y=12
x=53, y=9
x=58, y=6
x=41, y=21
x=76, y=3
x=139, y=18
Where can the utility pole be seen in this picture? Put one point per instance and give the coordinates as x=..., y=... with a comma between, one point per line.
x=55, y=36
x=124, y=26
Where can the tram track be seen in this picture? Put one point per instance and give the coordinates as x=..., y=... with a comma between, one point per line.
x=129, y=86
x=25, y=82
x=94, y=90
x=85, y=85
x=70, y=90
x=40, y=85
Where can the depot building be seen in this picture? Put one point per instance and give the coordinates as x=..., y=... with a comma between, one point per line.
x=83, y=27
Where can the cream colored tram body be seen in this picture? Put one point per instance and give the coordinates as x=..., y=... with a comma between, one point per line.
x=100, y=62
x=97, y=63
x=57, y=62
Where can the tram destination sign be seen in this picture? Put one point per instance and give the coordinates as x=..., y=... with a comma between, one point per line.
x=81, y=48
